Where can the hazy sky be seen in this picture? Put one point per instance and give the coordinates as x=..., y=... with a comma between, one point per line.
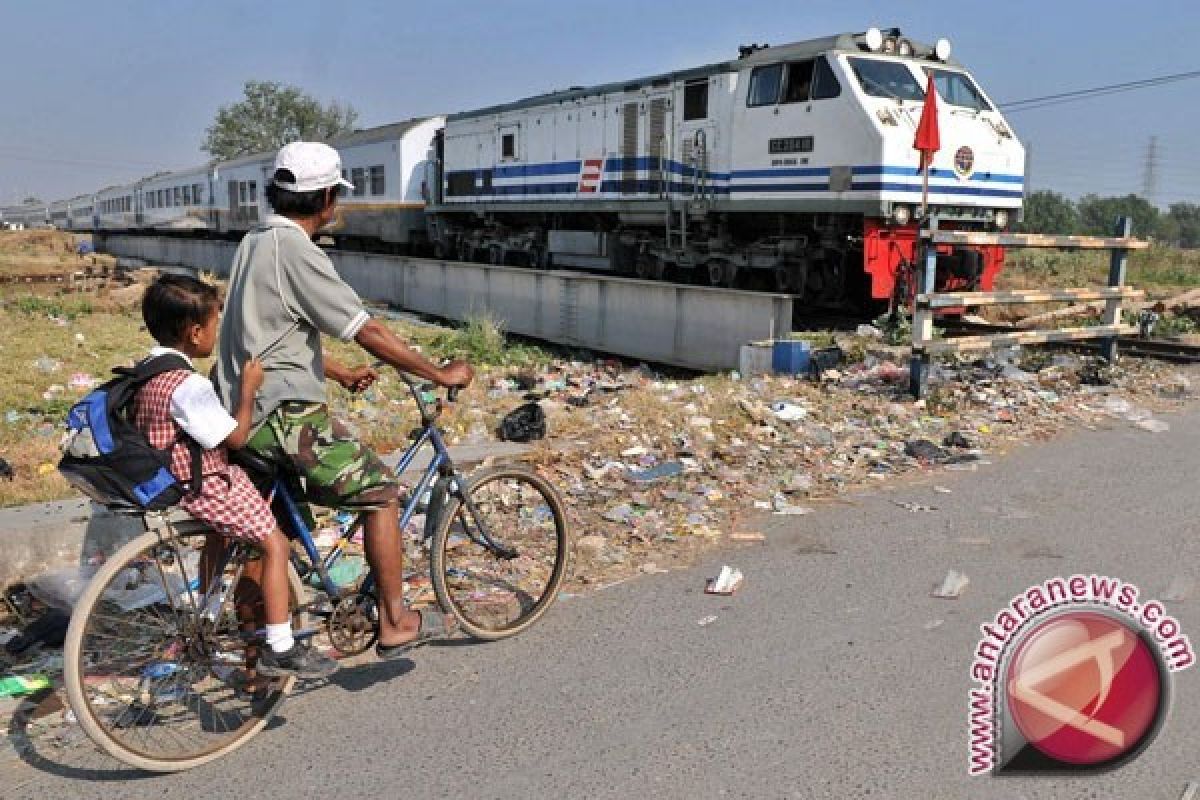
x=102, y=93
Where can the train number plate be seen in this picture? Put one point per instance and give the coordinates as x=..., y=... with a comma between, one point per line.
x=790, y=144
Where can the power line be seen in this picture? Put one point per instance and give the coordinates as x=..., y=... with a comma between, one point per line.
x=1031, y=103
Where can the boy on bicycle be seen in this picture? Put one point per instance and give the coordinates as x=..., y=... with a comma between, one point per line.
x=181, y=314
x=283, y=294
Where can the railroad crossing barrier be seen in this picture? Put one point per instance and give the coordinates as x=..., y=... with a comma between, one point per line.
x=924, y=346
x=689, y=326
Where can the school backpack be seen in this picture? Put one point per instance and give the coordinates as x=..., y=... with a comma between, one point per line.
x=107, y=458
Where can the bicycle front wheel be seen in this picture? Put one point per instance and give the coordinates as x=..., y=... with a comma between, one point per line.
x=500, y=551
x=158, y=675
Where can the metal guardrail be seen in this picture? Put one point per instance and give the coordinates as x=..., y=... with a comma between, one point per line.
x=927, y=301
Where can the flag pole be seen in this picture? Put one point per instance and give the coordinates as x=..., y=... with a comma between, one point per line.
x=925, y=159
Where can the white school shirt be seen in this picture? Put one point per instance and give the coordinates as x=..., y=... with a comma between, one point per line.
x=196, y=408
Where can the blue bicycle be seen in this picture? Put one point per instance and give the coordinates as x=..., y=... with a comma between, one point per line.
x=160, y=653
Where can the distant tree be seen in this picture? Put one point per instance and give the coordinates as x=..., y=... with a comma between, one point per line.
x=269, y=116
x=1049, y=212
x=1187, y=217
x=1168, y=231
x=1098, y=215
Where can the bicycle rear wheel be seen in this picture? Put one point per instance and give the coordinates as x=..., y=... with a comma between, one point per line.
x=499, y=591
x=157, y=676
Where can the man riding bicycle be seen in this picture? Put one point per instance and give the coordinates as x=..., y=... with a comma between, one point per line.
x=283, y=294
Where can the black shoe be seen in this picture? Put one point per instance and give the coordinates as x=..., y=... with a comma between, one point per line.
x=303, y=662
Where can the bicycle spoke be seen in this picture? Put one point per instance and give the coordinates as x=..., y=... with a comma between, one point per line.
x=158, y=680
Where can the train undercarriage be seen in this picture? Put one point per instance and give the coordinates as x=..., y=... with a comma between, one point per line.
x=844, y=261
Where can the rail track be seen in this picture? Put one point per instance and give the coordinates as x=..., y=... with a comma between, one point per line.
x=1160, y=349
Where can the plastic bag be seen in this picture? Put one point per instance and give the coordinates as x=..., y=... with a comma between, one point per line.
x=524, y=424
x=61, y=588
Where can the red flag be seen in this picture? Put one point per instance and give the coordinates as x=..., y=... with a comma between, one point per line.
x=928, y=140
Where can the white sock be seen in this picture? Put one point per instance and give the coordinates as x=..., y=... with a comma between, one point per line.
x=279, y=637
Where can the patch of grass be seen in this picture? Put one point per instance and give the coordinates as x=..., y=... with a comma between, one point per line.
x=1161, y=271
x=481, y=341
x=63, y=307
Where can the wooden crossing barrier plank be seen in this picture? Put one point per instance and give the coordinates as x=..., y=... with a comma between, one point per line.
x=964, y=344
x=956, y=299
x=1039, y=240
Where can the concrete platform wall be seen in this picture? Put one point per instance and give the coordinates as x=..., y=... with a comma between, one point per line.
x=688, y=326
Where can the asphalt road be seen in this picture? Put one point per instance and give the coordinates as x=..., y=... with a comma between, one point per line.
x=824, y=677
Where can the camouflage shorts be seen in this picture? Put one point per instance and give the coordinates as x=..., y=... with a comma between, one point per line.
x=337, y=470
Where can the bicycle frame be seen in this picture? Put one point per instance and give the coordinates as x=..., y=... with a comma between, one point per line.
x=295, y=527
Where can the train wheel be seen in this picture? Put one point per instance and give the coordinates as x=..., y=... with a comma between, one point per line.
x=782, y=279
x=535, y=257
x=716, y=272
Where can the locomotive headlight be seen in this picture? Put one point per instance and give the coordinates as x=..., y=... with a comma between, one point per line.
x=1000, y=220
x=873, y=39
x=901, y=215
x=942, y=49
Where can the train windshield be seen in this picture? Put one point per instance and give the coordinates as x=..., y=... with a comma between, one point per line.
x=957, y=89
x=886, y=79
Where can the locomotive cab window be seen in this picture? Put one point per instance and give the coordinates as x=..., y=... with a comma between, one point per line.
x=957, y=89
x=799, y=82
x=695, y=100
x=765, y=83
x=886, y=79
x=825, y=83
x=508, y=146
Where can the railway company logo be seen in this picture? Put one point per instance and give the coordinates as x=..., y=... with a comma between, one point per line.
x=591, y=175
x=1073, y=675
x=964, y=162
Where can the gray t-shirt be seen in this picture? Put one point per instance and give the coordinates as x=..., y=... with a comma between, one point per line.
x=283, y=294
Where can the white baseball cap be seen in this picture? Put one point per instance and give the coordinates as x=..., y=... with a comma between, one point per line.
x=314, y=164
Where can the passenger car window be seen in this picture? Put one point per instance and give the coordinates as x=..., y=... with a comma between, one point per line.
x=765, y=83
x=377, y=186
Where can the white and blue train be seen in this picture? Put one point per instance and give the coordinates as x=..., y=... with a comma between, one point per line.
x=791, y=166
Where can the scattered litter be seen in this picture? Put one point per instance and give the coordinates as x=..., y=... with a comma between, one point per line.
x=924, y=450
x=708, y=620
x=666, y=470
x=1153, y=425
x=789, y=412
x=914, y=507
x=727, y=581
x=780, y=505
x=650, y=568
x=21, y=685
x=6, y=470
x=47, y=364
x=943, y=490
x=81, y=382
x=933, y=623
x=524, y=424
x=748, y=537
x=952, y=585
x=868, y=331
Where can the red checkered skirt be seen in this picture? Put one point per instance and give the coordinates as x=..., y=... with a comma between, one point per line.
x=227, y=499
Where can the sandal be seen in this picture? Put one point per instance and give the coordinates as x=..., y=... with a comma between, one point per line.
x=433, y=627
